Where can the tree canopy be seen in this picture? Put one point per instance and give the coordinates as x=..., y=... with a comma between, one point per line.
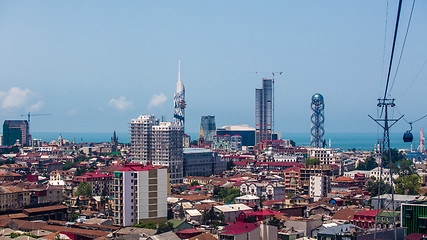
x=84, y=189
x=408, y=185
x=312, y=161
x=372, y=187
x=369, y=164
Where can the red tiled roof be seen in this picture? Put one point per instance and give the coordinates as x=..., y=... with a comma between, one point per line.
x=296, y=169
x=239, y=227
x=271, y=202
x=282, y=164
x=265, y=212
x=371, y=213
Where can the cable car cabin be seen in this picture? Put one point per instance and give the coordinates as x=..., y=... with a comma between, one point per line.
x=408, y=137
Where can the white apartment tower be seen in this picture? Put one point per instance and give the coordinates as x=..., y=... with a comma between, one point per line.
x=140, y=193
x=158, y=143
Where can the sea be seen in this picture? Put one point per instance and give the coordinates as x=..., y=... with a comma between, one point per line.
x=355, y=140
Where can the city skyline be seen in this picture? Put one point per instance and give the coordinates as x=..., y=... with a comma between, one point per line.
x=96, y=65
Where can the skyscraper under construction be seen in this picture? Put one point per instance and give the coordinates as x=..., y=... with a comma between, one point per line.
x=264, y=111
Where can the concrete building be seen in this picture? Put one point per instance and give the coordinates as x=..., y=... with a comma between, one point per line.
x=202, y=162
x=264, y=111
x=319, y=186
x=158, y=143
x=399, y=199
x=16, y=131
x=140, y=193
x=306, y=172
x=207, y=123
x=100, y=183
x=327, y=156
x=231, y=211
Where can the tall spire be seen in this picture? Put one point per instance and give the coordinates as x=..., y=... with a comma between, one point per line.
x=179, y=100
x=179, y=84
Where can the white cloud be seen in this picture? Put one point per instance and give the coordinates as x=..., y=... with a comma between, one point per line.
x=120, y=104
x=39, y=104
x=72, y=112
x=157, y=100
x=17, y=98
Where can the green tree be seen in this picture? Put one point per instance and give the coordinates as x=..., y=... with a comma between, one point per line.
x=148, y=225
x=312, y=161
x=84, y=189
x=372, y=187
x=68, y=165
x=80, y=171
x=164, y=227
x=227, y=195
x=194, y=183
x=404, y=168
x=369, y=164
x=396, y=156
x=230, y=165
x=408, y=185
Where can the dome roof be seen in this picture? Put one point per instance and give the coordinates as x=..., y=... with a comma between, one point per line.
x=317, y=97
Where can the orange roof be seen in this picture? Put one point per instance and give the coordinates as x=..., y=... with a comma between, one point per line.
x=344, y=179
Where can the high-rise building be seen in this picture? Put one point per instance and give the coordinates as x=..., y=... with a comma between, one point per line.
x=317, y=120
x=166, y=149
x=140, y=193
x=140, y=138
x=264, y=111
x=14, y=130
x=179, y=101
x=207, y=123
x=158, y=143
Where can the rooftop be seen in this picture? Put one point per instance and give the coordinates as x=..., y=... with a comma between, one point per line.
x=239, y=228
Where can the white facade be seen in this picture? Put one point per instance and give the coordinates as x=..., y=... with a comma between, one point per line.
x=232, y=211
x=140, y=193
x=319, y=186
x=159, y=143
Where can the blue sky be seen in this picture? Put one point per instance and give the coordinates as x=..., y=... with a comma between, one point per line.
x=95, y=65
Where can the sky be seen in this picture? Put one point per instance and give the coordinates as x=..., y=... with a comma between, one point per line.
x=95, y=65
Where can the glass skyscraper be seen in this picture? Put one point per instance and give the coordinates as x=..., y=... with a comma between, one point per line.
x=207, y=123
x=264, y=111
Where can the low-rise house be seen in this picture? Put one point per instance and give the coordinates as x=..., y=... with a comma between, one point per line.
x=237, y=231
x=249, y=200
x=365, y=219
x=231, y=212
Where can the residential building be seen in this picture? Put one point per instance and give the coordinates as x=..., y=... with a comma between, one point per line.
x=231, y=211
x=271, y=191
x=249, y=200
x=385, y=219
x=326, y=156
x=399, y=199
x=320, y=185
x=100, y=183
x=16, y=131
x=166, y=149
x=158, y=143
x=13, y=197
x=413, y=217
x=241, y=231
x=306, y=172
x=291, y=177
x=202, y=162
x=227, y=143
x=365, y=219
x=140, y=193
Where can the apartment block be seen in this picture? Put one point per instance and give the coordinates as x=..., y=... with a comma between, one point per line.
x=140, y=193
x=158, y=143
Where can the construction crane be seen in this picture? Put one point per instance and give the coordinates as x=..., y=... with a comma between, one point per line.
x=29, y=115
